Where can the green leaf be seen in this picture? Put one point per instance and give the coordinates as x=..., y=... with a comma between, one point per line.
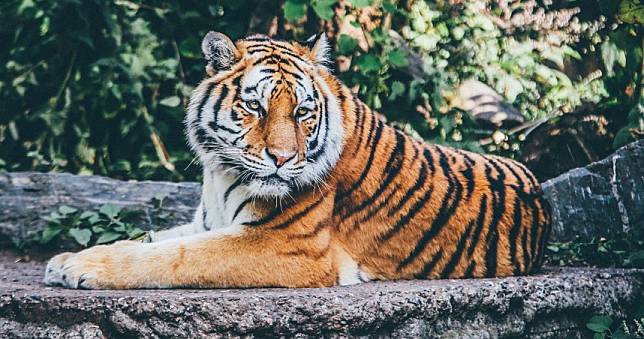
x=110, y=210
x=612, y=54
x=389, y=7
x=294, y=10
x=599, y=324
x=82, y=236
x=620, y=334
x=360, y=3
x=108, y=237
x=398, y=58
x=636, y=259
x=622, y=137
x=631, y=11
x=95, y=219
x=88, y=214
x=601, y=335
x=135, y=233
x=172, y=101
x=190, y=48
x=64, y=210
x=98, y=229
x=324, y=8
x=369, y=63
x=346, y=44
x=397, y=89
x=49, y=233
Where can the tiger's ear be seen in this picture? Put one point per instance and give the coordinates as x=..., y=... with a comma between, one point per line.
x=219, y=51
x=320, y=48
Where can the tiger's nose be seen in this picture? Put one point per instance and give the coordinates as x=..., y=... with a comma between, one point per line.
x=280, y=157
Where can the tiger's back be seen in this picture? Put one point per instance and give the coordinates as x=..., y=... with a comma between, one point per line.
x=406, y=209
x=304, y=186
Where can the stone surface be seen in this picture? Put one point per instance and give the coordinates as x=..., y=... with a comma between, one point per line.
x=600, y=199
x=26, y=197
x=597, y=200
x=556, y=303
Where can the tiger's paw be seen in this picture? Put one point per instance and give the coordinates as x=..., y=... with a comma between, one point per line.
x=92, y=268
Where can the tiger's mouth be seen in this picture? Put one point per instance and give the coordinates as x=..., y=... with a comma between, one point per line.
x=273, y=179
x=270, y=186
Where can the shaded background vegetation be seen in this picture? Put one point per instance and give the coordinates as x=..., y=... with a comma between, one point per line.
x=99, y=86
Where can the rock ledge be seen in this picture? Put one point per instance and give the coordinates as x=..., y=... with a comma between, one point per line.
x=555, y=303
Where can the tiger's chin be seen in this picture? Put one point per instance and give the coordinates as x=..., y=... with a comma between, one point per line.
x=269, y=187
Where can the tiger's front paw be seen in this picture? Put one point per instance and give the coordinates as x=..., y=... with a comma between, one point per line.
x=93, y=268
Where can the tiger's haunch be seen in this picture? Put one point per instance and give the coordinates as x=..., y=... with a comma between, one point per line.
x=305, y=186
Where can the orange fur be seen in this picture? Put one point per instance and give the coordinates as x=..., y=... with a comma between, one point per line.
x=394, y=207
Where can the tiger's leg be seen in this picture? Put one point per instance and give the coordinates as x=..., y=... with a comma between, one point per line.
x=175, y=232
x=195, y=227
x=227, y=257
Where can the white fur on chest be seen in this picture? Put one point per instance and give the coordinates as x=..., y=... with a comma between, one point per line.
x=224, y=201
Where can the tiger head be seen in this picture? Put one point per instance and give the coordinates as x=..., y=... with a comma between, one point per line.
x=268, y=112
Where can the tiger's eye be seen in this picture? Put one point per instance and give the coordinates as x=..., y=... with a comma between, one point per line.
x=302, y=111
x=253, y=104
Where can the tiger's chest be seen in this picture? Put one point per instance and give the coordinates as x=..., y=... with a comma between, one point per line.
x=225, y=201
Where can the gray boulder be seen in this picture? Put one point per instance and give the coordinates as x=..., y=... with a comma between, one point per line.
x=600, y=199
x=26, y=197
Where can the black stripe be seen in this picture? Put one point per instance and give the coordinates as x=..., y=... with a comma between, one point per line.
x=468, y=173
x=524, y=245
x=517, y=221
x=420, y=182
x=476, y=238
x=458, y=253
x=514, y=234
x=374, y=122
x=240, y=208
x=316, y=230
x=413, y=210
x=429, y=266
x=204, y=215
x=216, y=127
x=363, y=175
x=361, y=114
x=528, y=175
x=454, y=188
x=534, y=228
x=298, y=215
x=263, y=59
x=470, y=270
x=202, y=103
x=217, y=106
x=545, y=233
x=321, y=145
x=497, y=185
x=234, y=185
x=374, y=210
x=391, y=171
x=315, y=153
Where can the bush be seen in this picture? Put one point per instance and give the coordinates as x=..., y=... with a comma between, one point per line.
x=99, y=86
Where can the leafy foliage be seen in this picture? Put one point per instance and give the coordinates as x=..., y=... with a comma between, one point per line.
x=602, y=326
x=99, y=86
x=625, y=249
x=106, y=225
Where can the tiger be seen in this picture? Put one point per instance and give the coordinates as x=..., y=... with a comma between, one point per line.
x=306, y=186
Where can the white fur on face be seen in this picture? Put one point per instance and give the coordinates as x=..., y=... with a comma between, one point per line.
x=264, y=178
